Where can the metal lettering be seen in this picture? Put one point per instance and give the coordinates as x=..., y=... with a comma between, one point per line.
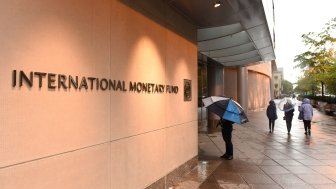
x=40, y=76
x=62, y=81
x=23, y=77
x=51, y=81
x=14, y=78
x=73, y=82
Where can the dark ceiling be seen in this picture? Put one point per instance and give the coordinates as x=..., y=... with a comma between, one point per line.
x=234, y=34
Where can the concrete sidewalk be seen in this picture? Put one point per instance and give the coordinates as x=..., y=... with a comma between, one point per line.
x=268, y=160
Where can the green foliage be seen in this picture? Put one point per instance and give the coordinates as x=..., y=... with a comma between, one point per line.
x=307, y=85
x=287, y=87
x=319, y=62
x=329, y=78
x=327, y=99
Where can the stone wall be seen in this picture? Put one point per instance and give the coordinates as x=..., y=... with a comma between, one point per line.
x=71, y=138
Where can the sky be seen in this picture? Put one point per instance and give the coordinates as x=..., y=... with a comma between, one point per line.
x=292, y=19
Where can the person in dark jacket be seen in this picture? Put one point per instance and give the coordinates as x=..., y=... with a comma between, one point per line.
x=271, y=115
x=289, y=113
x=227, y=137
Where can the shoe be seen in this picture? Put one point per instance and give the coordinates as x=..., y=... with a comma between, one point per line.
x=224, y=156
x=306, y=133
x=270, y=131
x=229, y=157
x=309, y=133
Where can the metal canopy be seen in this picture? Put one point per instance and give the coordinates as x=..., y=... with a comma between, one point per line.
x=234, y=34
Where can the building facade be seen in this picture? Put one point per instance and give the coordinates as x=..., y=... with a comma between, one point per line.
x=103, y=94
x=278, y=77
x=98, y=100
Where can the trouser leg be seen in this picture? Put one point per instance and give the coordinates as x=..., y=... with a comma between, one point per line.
x=289, y=124
x=272, y=123
x=227, y=136
x=225, y=140
x=229, y=147
x=307, y=125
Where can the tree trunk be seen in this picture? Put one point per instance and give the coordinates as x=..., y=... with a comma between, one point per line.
x=322, y=85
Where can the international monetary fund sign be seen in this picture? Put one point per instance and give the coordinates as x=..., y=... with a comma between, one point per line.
x=68, y=82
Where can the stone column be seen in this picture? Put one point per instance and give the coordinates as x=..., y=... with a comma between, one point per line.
x=215, y=84
x=272, y=86
x=242, y=88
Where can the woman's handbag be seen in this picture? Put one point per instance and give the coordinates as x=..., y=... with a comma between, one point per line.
x=300, y=117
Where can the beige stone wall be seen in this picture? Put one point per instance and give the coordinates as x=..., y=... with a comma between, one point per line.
x=91, y=138
x=230, y=83
x=258, y=81
x=259, y=93
x=264, y=68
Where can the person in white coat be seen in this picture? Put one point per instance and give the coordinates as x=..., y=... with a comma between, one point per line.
x=307, y=115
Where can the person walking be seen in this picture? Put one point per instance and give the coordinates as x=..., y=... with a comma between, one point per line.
x=289, y=113
x=227, y=137
x=271, y=115
x=307, y=115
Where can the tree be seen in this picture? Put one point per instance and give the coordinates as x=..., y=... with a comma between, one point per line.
x=319, y=59
x=306, y=85
x=287, y=87
x=329, y=79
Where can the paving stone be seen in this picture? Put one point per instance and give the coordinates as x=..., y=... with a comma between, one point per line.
x=315, y=179
x=274, y=169
x=287, y=180
x=252, y=178
x=265, y=160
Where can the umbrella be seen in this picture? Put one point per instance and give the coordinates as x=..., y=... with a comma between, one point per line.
x=284, y=108
x=225, y=108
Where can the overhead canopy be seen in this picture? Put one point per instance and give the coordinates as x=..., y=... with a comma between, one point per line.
x=234, y=34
